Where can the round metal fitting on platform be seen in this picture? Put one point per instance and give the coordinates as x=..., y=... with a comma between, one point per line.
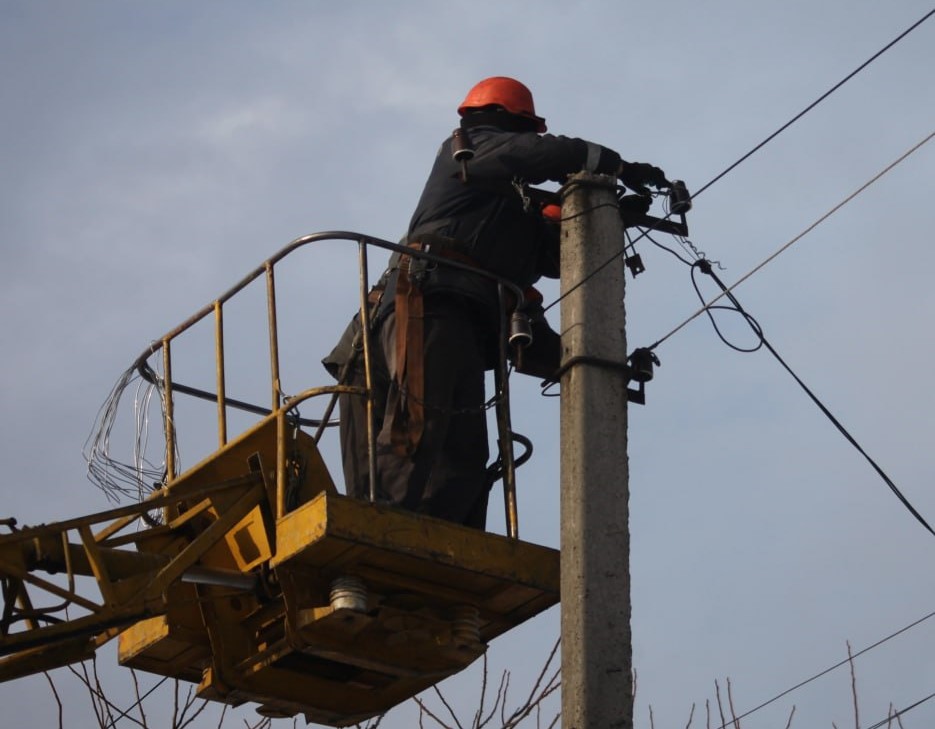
x=465, y=626
x=349, y=593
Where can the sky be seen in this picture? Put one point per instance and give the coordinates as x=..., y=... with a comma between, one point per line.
x=152, y=154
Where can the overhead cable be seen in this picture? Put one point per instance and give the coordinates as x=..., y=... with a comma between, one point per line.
x=888, y=720
x=705, y=266
x=801, y=235
x=832, y=668
x=772, y=136
x=817, y=101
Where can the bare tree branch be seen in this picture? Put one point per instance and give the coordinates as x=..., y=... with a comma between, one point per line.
x=58, y=699
x=501, y=696
x=107, y=705
x=545, y=668
x=369, y=724
x=720, y=707
x=483, y=697
x=190, y=701
x=139, y=699
x=424, y=710
x=730, y=703
x=850, y=660
x=445, y=703
x=537, y=695
x=691, y=716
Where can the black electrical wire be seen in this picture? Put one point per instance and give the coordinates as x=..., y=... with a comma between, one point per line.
x=832, y=668
x=888, y=720
x=892, y=165
x=817, y=101
x=759, y=146
x=605, y=264
x=705, y=267
x=665, y=248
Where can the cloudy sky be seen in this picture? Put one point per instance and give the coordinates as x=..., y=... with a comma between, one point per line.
x=155, y=153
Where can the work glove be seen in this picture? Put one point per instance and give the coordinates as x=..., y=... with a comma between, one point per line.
x=634, y=206
x=638, y=175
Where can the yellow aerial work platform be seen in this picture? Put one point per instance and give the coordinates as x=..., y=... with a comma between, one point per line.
x=260, y=582
x=338, y=610
x=361, y=607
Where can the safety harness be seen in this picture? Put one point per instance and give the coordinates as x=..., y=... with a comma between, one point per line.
x=407, y=420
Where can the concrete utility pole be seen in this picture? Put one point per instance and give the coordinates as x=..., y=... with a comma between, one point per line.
x=595, y=536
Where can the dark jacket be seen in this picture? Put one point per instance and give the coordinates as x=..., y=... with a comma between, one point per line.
x=487, y=214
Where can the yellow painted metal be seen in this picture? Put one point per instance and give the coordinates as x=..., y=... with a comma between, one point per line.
x=45, y=658
x=273, y=335
x=212, y=510
x=262, y=584
x=219, y=372
x=425, y=596
x=435, y=594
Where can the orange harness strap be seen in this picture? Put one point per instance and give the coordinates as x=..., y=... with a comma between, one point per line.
x=407, y=421
x=408, y=417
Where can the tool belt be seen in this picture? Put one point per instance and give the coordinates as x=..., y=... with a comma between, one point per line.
x=407, y=421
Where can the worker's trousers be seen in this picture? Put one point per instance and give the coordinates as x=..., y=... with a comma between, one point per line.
x=445, y=476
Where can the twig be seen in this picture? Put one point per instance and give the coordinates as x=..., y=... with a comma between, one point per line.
x=691, y=716
x=445, y=703
x=545, y=668
x=85, y=679
x=850, y=659
x=720, y=707
x=125, y=712
x=371, y=723
x=537, y=695
x=791, y=714
x=175, y=704
x=483, y=697
x=139, y=699
x=730, y=703
x=506, y=690
x=423, y=709
x=58, y=699
x=181, y=721
x=899, y=718
x=501, y=696
x=111, y=721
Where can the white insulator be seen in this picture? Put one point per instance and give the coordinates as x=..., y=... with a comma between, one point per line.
x=349, y=593
x=465, y=627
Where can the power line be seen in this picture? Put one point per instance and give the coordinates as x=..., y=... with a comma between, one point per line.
x=705, y=266
x=801, y=235
x=889, y=719
x=772, y=136
x=834, y=667
x=817, y=101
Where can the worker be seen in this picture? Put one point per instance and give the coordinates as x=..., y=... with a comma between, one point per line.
x=436, y=328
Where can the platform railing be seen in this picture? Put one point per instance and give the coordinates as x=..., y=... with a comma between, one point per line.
x=282, y=406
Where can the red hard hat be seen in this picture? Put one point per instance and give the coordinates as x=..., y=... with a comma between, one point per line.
x=506, y=92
